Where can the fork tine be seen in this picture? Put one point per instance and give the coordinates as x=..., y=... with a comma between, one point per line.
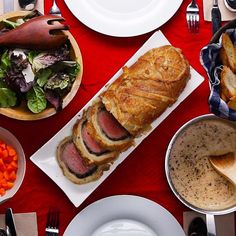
x=191, y=23
x=192, y=17
x=52, y=224
x=57, y=217
x=188, y=21
x=194, y=23
x=197, y=23
x=48, y=218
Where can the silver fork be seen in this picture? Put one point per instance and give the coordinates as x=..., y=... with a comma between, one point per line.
x=192, y=17
x=52, y=225
x=55, y=9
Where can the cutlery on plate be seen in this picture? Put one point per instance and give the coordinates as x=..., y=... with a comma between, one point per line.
x=27, y=4
x=197, y=227
x=8, y=6
x=215, y=17
x=10, y=223
x=55, y=9
x=192, y=17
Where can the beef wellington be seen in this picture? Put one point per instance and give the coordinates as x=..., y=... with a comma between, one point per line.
x=90, y=150
x=73, y=165
x=106, y=130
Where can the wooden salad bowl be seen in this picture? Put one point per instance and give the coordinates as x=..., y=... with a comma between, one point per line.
x=21, y=112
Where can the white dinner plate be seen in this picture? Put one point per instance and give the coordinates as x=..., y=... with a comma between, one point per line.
x=125, y=209
x=45, y=158
x=123, y=18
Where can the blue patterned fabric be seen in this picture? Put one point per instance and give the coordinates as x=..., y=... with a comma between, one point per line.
x=210, y=60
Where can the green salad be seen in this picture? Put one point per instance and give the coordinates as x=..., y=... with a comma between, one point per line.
x=40, y=78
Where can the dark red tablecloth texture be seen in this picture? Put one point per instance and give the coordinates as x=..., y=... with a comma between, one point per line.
x=142, y=173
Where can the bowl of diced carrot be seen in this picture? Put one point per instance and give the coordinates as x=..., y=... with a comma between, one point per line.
x=12, y=164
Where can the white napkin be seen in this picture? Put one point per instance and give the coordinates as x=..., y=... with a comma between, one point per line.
x=226, y=14
x=39, y=6
x=26, y=223
x=224, y=223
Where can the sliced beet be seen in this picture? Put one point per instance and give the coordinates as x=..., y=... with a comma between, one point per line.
x=90, y=143
x=110, y=126
x=72, y=159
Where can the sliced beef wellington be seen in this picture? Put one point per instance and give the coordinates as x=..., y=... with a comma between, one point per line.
x=89, y=149
x=73, y=166
x=106, y=130
x=147, y=88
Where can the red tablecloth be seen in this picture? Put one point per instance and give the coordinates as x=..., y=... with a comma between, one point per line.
x=142, y=173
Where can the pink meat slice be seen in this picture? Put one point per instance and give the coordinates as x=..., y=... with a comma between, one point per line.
x=71, y=157
x=90, y=143
x=110, y=126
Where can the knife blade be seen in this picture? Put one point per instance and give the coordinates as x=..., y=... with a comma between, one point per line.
x=8, y=6
x=9, y=221
x=215, y=17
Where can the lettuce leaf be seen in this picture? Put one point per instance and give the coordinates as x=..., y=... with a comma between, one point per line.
x=43, y=76
x=36, y=100
x=58, y=81
x=4, y=64
x=45, y=59
x=72, y=68
x=11, y=24
x=7, y=97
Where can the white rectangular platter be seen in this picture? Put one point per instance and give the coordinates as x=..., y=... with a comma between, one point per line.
x=45, y=158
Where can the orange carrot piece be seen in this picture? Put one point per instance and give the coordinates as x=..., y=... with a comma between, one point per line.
x=3, y=183
x=8, y=167
x=9, y=185
x=11, y=150
x=12, y=176
x=2, y=191
x=14, y=165
x=3, y=145
x=2, y=166
x=6, y=175
x=7, y=159
x=15, y=158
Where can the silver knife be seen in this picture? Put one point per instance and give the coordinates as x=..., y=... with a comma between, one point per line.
x=8, y=6
x=10, y=223
x=215, y=17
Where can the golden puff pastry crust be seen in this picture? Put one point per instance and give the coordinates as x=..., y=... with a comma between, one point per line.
x=147, y=88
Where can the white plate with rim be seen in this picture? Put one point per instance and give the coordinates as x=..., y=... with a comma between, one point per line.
x=123, y=18
x=142, y=212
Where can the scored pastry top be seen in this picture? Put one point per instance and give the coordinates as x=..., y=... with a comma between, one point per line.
x=147, y=88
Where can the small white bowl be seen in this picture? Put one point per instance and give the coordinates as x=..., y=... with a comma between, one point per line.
x=11, y=140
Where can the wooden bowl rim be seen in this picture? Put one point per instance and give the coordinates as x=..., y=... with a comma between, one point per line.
x=19, y=113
